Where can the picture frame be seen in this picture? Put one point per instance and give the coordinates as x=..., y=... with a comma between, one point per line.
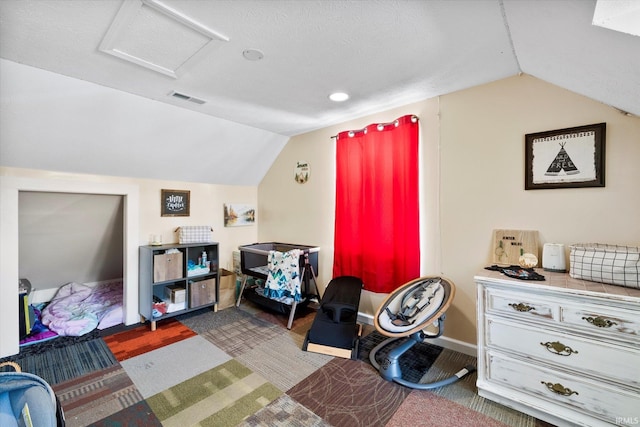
x=566, y=158
x=175, y=202
x=237, y=215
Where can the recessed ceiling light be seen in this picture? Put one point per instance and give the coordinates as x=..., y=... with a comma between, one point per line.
x=339, y=96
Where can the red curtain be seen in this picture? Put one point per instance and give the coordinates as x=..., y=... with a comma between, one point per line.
x=377, y=230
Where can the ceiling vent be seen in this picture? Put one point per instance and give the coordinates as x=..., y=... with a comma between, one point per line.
x=184, y=97
x=153, y=35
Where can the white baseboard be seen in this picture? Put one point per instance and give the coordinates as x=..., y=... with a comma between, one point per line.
x=442, y=341
x=39, y=296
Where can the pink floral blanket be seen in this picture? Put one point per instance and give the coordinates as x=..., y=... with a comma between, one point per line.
x=78, y=309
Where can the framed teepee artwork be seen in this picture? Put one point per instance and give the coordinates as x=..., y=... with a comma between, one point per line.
x=565, y=158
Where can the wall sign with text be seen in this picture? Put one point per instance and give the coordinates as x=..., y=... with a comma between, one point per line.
x=175, y=203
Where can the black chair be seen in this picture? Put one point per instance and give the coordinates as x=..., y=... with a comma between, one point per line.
x=335, y=330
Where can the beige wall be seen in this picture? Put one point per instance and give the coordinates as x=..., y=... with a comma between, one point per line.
x=206, y=207
x=304, y=213
x=141, y=218
x=478, y=136
x=473, y=161
x=66, y=237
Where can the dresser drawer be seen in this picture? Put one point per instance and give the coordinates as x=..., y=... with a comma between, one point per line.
x=521, y=305
x=604, y=321
x=569, y=391
x=565, y=350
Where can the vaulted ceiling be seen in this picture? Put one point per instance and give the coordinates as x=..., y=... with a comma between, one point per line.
x=383, y=53
x=271, y=65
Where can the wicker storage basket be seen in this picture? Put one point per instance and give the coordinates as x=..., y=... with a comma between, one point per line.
x=613, y=264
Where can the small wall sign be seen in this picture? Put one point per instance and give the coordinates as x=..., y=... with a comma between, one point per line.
x=175, y=202
x=301, y=172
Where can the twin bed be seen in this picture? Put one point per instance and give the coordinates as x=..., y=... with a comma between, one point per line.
x=78, y=309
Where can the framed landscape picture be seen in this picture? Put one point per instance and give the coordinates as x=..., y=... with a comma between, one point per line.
x=565, y=158
x=236, y=215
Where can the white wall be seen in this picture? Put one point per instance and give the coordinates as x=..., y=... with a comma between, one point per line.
x=53, y=122
x=473, y=143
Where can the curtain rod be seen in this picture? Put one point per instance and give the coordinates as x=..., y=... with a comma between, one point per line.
x=380, y=126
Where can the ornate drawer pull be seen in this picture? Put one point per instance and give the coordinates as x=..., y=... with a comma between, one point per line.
x=558, y=388
x=600, y=322
x=522, y=307
x=558, y=348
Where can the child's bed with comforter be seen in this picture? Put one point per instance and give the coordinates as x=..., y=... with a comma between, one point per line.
x=78, y=309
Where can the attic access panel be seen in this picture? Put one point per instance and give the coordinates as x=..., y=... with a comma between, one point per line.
x=150, y=34
x=565, y=158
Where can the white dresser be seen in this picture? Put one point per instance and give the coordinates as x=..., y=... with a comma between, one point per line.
x=563, y=350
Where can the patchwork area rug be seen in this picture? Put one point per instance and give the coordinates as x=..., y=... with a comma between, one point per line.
x=97, y=395
x=426, y=409
x=167, y=366
x=142, y=339
x=237, y=368
x=220, y=397
x=139, y=414
x=202, y=321
x=284, y=412
x=349, y=393
x=242, y=335
x=281, y=361
x=58, y=364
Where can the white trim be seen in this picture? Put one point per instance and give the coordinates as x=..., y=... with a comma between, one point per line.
x=39, y=296
x=127, y=15
x=185, y=20
x=10, y=186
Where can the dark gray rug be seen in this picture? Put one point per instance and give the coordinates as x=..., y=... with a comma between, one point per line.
x=56, y=364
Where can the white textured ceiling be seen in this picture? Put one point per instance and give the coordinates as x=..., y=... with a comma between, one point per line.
x=383, y=53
